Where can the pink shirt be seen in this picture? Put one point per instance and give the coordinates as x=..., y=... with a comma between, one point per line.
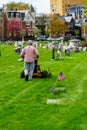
x=28, y=53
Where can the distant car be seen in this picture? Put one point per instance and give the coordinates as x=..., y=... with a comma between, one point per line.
x=65, y=38
x=41, y=38
x=78, y=37
x=49, y=39
x=4, y=39
x=0, y=39
x=53, y=39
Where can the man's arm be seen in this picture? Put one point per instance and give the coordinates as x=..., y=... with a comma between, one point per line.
x=37, y=53
x=22, y=54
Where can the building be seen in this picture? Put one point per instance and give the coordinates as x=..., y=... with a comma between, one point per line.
x=76, y=11
x=61, y=6
x=75, y=17
x=84, y=25
x=42, y=22
x=80, y=17
x=14, y=25
x=29, y=20
x=17, y=24
x=70, y=22
x=1, y=24
x=20, y=23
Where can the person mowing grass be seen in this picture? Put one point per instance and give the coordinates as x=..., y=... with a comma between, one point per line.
x=28, y=53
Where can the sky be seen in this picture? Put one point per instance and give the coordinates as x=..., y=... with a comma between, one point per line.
x=42, y=6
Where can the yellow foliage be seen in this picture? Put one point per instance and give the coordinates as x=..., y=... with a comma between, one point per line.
x=18, y=6
x=56, y=25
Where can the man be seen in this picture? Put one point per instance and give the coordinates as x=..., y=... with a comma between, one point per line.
x=28, y=54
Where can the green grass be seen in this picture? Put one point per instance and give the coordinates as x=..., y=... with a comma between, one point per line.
x=23, y=105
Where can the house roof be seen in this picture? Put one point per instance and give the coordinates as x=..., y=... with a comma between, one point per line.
x=62, y=18
x=32, y=9
x=66, y=19
x=78, y=22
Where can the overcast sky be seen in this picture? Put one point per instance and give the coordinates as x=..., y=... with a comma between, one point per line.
x=42, y=6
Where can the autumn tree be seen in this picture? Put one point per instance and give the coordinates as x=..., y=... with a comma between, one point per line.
x=85, y=2
x=84, y=25
x=17, y=6
x=57, y=26
x=36, y=31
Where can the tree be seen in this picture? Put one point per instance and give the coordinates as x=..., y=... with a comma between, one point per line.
x=36, y=31
x=77, y=32
x=17, y=6
x=84, y=25
x=85, y=2
x=57, y=26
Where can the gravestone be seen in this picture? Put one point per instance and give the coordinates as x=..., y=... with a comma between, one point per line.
x=53, y=53
x=18, y=50
x=67, y=52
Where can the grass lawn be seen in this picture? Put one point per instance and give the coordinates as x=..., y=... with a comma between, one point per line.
x=23, y=105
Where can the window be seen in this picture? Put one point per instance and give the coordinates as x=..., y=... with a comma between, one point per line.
x=9, y=14
x=17, y=15
x=53, y=8
x=12, y=15
x=14, y=33
x=86, y=20
x=0, y=11
x=22, y=16
x=27, y=24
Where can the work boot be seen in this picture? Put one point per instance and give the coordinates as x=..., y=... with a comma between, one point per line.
x=26, y=77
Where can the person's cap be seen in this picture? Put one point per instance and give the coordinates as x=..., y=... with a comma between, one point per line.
x=30, y=42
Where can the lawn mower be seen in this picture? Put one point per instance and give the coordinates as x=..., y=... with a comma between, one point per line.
x=38, y=73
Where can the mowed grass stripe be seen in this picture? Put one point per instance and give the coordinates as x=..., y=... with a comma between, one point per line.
x=79, y=75
x=21, y=93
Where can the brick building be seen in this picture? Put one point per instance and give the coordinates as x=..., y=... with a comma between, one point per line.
x=15, y=24
x=1, y=23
